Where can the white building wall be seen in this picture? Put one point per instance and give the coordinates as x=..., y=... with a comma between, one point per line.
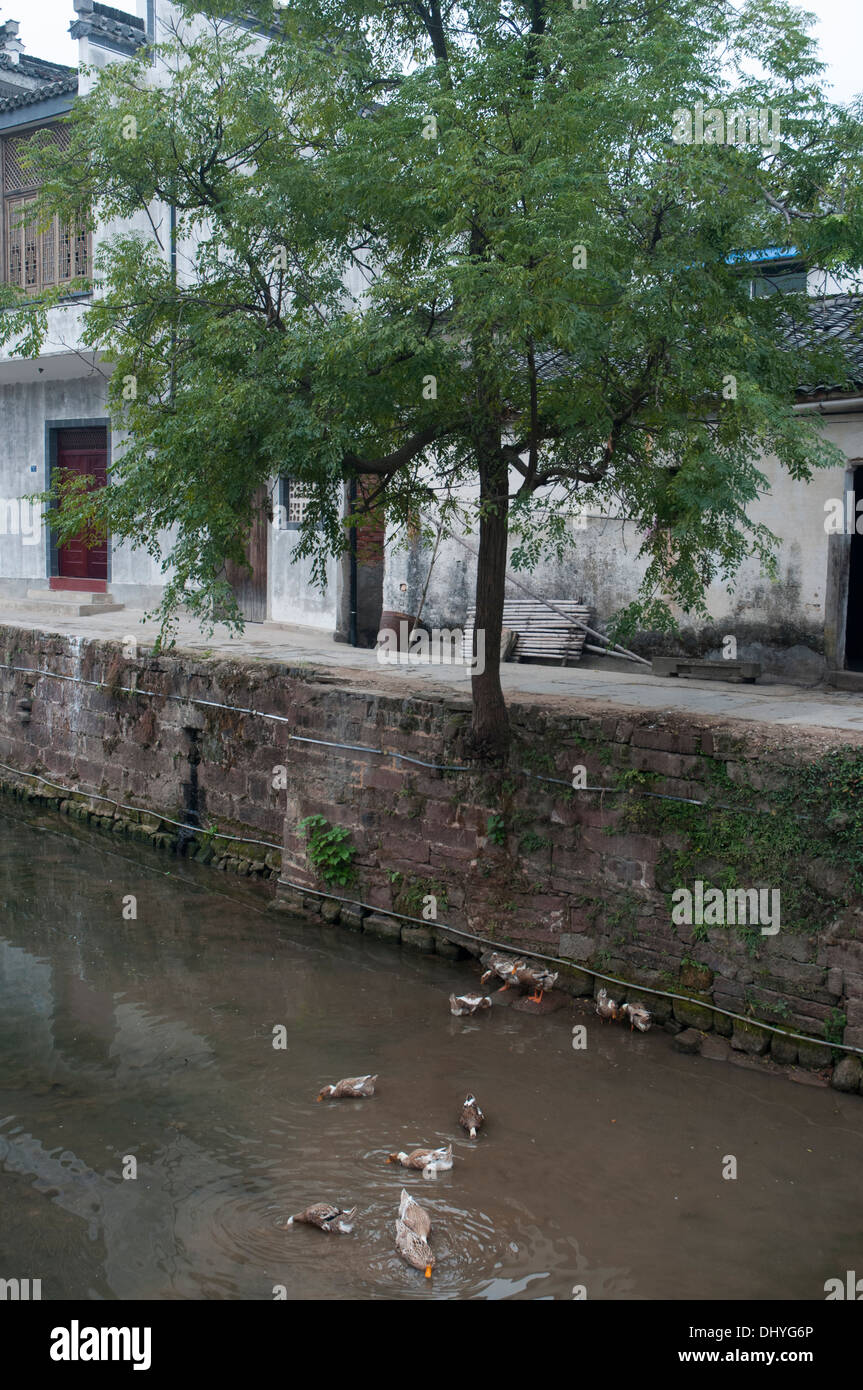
x=769, y=617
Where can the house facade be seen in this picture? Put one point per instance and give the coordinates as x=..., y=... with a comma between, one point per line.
x=805, y=623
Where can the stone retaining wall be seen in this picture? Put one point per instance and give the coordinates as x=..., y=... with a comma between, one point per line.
x=513, y=855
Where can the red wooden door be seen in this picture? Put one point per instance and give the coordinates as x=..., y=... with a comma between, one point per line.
x=84, y=562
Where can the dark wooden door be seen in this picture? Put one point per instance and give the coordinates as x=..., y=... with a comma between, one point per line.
x=85, y=453
x=250, y=588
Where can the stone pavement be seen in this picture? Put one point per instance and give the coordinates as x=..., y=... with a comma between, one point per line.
x=608, y=682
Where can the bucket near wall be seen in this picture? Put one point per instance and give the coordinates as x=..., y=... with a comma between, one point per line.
x=399, y=626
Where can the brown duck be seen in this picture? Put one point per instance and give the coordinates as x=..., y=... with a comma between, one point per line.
x=471, y=1117
x=350, y=1086
x=326, y=1217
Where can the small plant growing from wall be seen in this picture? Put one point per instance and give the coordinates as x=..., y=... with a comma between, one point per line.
x=496, y=830
x=329, y=851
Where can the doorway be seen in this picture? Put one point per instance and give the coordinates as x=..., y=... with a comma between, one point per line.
x=250, y=585
x=854, y=614
x=81, y=563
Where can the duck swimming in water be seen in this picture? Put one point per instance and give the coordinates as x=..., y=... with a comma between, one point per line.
x=471, y=1117
x=461, y=1004
x=414, y=1248
x=326, y=1217
x=415, y=1217
x=430, y=1161
x=351, y=1086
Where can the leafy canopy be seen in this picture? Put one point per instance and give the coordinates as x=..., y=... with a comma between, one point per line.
x=379, y=210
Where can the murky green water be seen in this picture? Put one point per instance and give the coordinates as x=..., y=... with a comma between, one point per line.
x=152, y=1038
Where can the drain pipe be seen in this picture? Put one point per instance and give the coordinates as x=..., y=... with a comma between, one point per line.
x=352, y=621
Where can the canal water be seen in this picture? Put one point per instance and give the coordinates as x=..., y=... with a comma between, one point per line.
x=151, y=1038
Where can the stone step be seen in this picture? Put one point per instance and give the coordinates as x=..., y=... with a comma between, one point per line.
x=65, y=603
x=699, y=669
x=846, y=680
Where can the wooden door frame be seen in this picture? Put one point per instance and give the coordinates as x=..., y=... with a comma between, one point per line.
x=838, y=575
x=52, y=429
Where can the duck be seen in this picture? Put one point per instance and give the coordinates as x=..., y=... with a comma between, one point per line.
x=431, y=1161
x=326, y=1217
x=606, y=1007
x=471, y=1117
x=534, y=977
x=461, y=1004
x=350, y=1086
x=501, y=966
x=639, y=1017
x=415, y=1217
x=414, y=1248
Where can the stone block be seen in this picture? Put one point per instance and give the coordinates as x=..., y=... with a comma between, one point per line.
x=691, y=1014
x=783, y=1050
x=847, y=1074
x=695, y=977
x=813, y=1056
x=447, y=946
x=387, y=928
x=417, y=938
x=748, y=1037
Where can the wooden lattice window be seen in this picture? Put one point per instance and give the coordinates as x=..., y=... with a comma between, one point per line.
x=33, y=259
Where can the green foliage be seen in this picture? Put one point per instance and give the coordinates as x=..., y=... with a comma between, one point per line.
x=409, y=893
x=817, y=814
x=329, y=851
x=834, y=1025
x=381, y=195
x=496, y=829
x=531, y=842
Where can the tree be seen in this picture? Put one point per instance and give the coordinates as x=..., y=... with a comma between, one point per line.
x=440, y=245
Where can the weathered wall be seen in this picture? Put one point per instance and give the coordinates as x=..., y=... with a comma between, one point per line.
x=780, y=622
x=508, y=856
x=25, y=408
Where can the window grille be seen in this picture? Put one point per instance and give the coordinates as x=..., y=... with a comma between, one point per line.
x=295, y=500
x=34, y=259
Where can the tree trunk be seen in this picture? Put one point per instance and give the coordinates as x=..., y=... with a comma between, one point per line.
x=490, y=721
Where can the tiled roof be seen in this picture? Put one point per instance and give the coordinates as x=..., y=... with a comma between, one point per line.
x=109, y=28
x=839, y=319
x=120, y=15
x=44, y=80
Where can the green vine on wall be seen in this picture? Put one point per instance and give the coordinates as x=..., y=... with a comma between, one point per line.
x=329, y=851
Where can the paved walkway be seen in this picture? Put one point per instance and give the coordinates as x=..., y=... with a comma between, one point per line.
x=611, y=683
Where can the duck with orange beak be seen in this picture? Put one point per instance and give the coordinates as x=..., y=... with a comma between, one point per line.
x=414, y=1248
x=429, y=1161
x=534, y=977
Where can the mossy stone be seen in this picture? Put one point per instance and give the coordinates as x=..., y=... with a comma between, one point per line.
x=748, y=1037
x=783, y=1050
x=813, y=1056
x=576, y=982
x=847, y=1074
x=418, y=938
x=447, y=948
x=387, y=928
x=695, y=977
x=693, y=1015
